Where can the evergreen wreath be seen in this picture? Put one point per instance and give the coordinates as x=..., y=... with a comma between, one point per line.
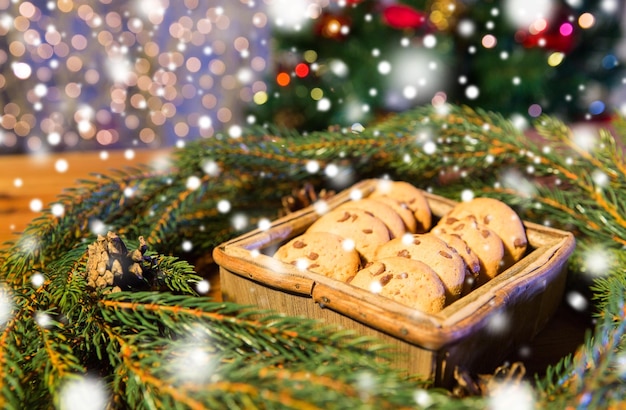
x=137, y=345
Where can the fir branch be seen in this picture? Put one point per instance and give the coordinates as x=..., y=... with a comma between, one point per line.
x=230, y=327
x=127, y=335
x=595, y=377
x=12, y=393
x=177, y=275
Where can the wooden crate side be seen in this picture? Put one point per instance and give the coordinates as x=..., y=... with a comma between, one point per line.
x=415, y=360
x=507, y=328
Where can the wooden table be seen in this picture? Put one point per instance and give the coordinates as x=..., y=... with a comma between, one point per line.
x=25, y=178
x=29, y=180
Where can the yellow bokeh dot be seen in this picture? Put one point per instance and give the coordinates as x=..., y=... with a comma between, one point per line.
x=260, y=97
x=555, y=59
x=310, y=56
x=65, y=5
x=317, y=94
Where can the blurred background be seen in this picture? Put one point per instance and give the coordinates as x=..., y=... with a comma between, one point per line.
x=108, y=74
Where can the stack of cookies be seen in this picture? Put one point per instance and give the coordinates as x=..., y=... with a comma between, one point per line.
x=386, y=243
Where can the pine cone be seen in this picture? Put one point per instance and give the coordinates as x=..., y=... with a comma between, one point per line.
x=109, y=262
x=300, y=198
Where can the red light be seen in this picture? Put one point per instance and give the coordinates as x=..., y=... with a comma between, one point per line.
x=302, y=70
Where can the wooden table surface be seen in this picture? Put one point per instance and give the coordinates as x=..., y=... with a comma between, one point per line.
x=28, y=178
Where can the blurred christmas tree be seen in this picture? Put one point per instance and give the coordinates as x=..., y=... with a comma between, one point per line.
x=353, y=60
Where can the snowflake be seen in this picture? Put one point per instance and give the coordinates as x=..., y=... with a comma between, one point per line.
x=37, y=280
x=210, y=167
x=323, y=104
x=620, y=365
x=36, y=205
x=292, y=14
x=312, y=166
x=509, y=396
x=430, y=147
x=223, y=206
x=264, y=224
x=203, y=287
x=356, y=194
x=422, y=398
x=467, y=195
x=498, y=323
x=472, y=92
x=302, y=264
x=524, y=351
x=366, y=384
x=84, y=393
x=129, y=192
x=235, y=131
x=407, y=239
x=57, y=210
x=513, y=179
x=525, y=13
x=193, y=182
x=584, y=137
x=321, y=207
x=384, y=67
x=239, y=221
x=348, y=244
x=600, y=178
x=376, y=287
x=466, y=28
x=43, y=319
x=577, y=301
x=186, y=245
x=193, y=363
x=331, y=170
x=6, y=304
x=29, y=243
x=61, y=165
x=597, y=261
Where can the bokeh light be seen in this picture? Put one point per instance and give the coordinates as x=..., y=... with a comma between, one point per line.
x=146, y=67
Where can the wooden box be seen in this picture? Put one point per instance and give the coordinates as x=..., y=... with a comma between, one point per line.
x=475, y=333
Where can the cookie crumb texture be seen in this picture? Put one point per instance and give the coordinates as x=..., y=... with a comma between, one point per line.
x=397, y=252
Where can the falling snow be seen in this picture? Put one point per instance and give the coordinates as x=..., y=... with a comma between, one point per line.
x=84, y=393
x=511, y=396
x=576, y=300
x=223, y=206
x=467, y=195
x=57, y=210
x=597, y=261
x=36, y=205
x=498, y=323
x=186, y=245
x=37, y=280
x=239, y=222
x=97, y=227
x=203, y=287
x=6, y=304
x=264, y=224
x=43, y=319
x=193, y=183
x=192, y=360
